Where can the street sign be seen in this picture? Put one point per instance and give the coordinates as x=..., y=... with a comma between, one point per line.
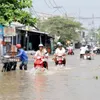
x=9, y=31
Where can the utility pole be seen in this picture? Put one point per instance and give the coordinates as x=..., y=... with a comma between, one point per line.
x=79, y=14
x=81, y=33
x=93, y=26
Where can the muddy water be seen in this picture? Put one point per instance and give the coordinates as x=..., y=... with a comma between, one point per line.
x=80, y=81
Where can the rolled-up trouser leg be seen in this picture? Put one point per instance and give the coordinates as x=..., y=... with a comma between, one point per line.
x=25, y=65
x=64, y=61
x=21, y=66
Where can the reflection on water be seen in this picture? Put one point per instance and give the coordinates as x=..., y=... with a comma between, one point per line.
x=39, y=86
x=21, y=86
x=64, y=85
x=9, y=85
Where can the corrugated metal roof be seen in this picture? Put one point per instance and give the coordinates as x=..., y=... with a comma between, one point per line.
x=36, y=31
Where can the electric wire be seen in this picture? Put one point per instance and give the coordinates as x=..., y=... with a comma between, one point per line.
x=47, y=4
x=33, y=10
x=57, y=7
x=51, y=3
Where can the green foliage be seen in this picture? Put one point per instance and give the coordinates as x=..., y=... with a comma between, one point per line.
x=12, y=10
x=24, y=17
x=98, y=35
x=18, y=4
x=65, y=28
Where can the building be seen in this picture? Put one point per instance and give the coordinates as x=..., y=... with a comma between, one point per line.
x=32, y=37
x=28, y=37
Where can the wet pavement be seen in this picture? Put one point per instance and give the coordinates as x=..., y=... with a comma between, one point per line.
x=79, y=80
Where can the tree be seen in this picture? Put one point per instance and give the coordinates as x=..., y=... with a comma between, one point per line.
x=12, y=10
x=98, y=35
x=65, y=28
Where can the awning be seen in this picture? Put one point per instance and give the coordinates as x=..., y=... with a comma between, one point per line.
x=32, y=31
x=22, y=27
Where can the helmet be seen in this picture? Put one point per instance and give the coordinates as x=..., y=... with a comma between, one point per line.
x=18, y=46
x=40, y=45
x=58, y=43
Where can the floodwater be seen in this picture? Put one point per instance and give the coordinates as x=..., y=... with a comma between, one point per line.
x=80, y=80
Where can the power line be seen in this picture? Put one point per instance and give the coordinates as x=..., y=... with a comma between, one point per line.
x=33, y=10
x=43, y=13
x=86, y=18
x=51, y=3
x=82, y=18
x=57, y=7
x=47, y=4
x=54, y=2
x=64, y=10
x=61, y=7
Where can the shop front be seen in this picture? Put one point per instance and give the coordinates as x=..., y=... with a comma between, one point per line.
x=31, y=39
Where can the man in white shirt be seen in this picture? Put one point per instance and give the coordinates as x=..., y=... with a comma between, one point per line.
x=60, y=51
x=82, y=51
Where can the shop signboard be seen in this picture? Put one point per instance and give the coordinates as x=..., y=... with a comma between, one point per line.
x=9, y=31
x=7, y=39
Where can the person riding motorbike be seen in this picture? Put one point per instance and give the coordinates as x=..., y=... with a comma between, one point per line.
x=83, y=51
x=23, y=57
x=41, y=53
x=60, y=51
x=88, y=53
x=70, y=50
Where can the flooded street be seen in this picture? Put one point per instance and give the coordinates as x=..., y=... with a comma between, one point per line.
x=79, y=81
x=69, y=31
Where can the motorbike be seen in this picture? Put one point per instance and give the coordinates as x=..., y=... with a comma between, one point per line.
x=70, y=52
x=41, y=64
x=87, y=55
x=60, y=60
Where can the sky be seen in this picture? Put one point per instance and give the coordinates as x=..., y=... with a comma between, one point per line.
x=75, y=8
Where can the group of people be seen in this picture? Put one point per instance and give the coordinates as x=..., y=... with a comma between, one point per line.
x=60, y=50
